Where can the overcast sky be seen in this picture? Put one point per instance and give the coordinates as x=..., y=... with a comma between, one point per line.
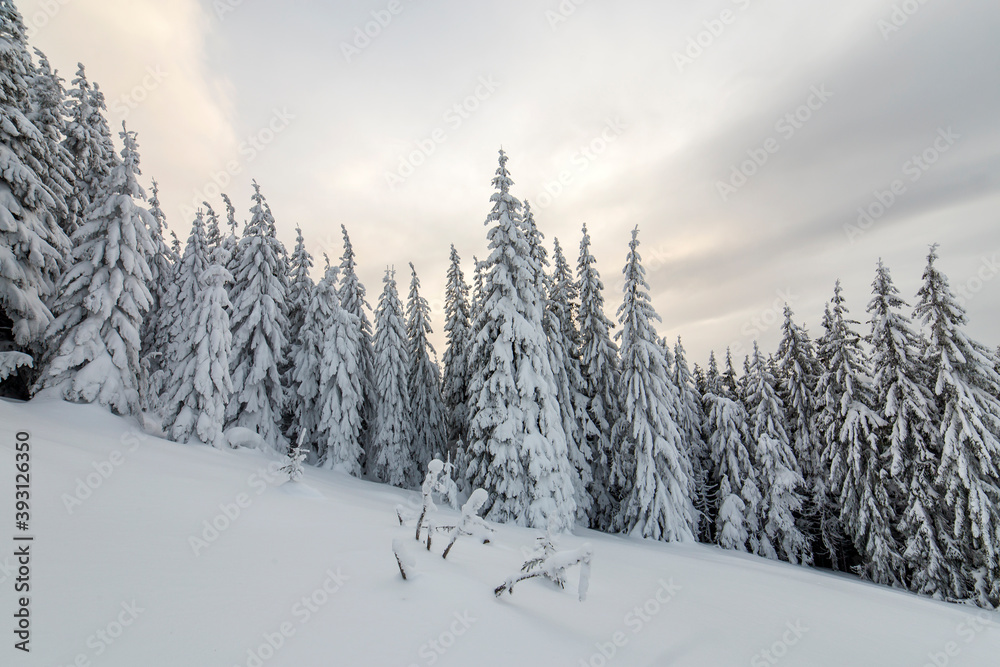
x=741, y=136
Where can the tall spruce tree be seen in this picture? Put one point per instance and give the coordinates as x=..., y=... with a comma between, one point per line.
x=455, y=387
x=48, y=113
x=103, y=296
x=88, y=141
x=778, y=473
x=601, y=376
x=188, y=287
x=300, y=288
x=859, y=461
x=352, y=299
x=259, y=327
x=560, y=327
x=690, y=418
x=32, y=244
x=196, y=407
x=966, y=386
x=307, y=361
x=797, y=373
x=340, y=400
x=737, y=498
x=656, y=473
x=517, y=449
x=833, y=547
x=423, y=381
x=908, y=408
x=213, y=233
x=156, y=324
x=227, y=247
x=393, y=442
x=300, y=285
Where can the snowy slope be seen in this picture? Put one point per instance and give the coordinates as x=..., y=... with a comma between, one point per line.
x=123, y=555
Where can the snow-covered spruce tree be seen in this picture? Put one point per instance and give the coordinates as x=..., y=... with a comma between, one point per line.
x=300, y=285
x=690, y=418
x=423, y=380
x=538, y=256
x=966, y=386
x=858, y=459
x=86, y=143
x=657, y=502
x=227, y=246
x=197, y=406
x=908, y=408
x=99, y=122
x=156, y=324
x=455, y=387
x=352, y=299
x=560, y=327
x=599, y=367
x=48, y=114
x=833, y=545
x=731, y=385
x=477, y=294
x=778, y=474
x=307, y=360
x=517, y=449
x=797, y=373
x=213, y=234
x=340, y=400
x=392, y=442
x=259, y=327
x=699, y=379
x=736, y=514
x=300, y=288
x=187, y=286
x=713, y=378
x=103, y=297
x=32, y=245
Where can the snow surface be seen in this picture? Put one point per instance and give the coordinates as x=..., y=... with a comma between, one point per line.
x=331, y=540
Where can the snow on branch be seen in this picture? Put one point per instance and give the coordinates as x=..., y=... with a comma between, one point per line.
x=552, y=565
x=438, y=480
x=470, y=523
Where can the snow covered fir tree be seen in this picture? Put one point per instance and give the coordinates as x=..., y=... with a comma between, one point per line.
x=873, y=448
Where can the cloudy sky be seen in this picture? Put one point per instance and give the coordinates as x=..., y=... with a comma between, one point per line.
x=765, y=148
